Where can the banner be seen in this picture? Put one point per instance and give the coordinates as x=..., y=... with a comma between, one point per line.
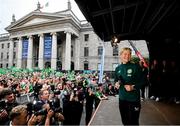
x=47, y=46
x=24, y=48
x=101, y=66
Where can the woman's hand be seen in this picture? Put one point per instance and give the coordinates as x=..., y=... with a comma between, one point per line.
x=129, y=87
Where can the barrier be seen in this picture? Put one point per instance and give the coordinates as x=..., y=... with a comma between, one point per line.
x=25, y=98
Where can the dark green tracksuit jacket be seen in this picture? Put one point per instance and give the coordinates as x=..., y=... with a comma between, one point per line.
x=129, y=73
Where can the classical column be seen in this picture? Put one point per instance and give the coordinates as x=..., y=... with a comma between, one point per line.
x=68, y=51
x=11, y=51
x=41, y=52
x=30, y=52
x=19, y=56
x=54, y=51
x=77, y=54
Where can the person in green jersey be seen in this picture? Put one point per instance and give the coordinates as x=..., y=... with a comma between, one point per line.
x=128, y=81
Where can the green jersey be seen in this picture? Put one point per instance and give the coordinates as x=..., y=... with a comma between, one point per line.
x=129, y=74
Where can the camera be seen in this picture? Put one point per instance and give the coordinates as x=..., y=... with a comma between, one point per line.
x=15, y=92
x=2, y=105
x=36, y=109
x=14, y=86
x=64, y=79
x=37, y=87
x=54, y=90
x=40, y=112
x=52, y=87
x=57, y=92
x=55, y=105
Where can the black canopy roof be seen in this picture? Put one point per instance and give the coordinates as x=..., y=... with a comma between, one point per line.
x=133, y=19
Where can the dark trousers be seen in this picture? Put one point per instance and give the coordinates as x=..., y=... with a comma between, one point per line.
x=143, y=91
x=130, y=112
x=89, y=110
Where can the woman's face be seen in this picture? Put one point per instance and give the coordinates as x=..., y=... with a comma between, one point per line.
x=125, y=56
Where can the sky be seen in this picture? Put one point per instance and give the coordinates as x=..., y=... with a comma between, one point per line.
x=23, y=7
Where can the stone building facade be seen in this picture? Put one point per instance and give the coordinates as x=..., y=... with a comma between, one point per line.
x=58, y=40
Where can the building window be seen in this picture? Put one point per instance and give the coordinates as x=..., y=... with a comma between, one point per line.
x=8, y=45
x=86, y=51
x=1, y=55
x=7, y=55
x=14, y=55
x=1, y=65
x=59, y=50
x=86, y=37
x=6, y=65
x=15, y=44
x=115, y=50
x=2, y=46
x=71, y=51
x=100, y=50
x=86, y=65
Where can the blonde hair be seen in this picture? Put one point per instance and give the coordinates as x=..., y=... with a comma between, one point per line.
x=125, y=49
x=17, y=111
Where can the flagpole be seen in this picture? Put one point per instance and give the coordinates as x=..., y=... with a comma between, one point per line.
x=138, y=53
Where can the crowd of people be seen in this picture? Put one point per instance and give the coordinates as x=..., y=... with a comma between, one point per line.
x=57, y=99
x=164, y=81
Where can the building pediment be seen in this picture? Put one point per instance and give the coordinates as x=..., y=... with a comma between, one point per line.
x=35, y=18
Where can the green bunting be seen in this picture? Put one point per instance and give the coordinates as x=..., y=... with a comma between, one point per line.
x=2, y=71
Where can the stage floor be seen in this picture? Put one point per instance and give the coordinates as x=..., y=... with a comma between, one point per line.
x=152, y=113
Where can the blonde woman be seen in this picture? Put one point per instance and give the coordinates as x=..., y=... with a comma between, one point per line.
x=128, y=80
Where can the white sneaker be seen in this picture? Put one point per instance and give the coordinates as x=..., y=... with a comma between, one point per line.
x=142, y=99
x=177, y=102
x=152, y=97
x=157, y=99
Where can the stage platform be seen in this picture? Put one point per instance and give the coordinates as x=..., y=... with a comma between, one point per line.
x=152, y=113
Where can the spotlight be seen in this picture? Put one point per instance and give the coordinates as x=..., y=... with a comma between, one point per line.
x=115, y=40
